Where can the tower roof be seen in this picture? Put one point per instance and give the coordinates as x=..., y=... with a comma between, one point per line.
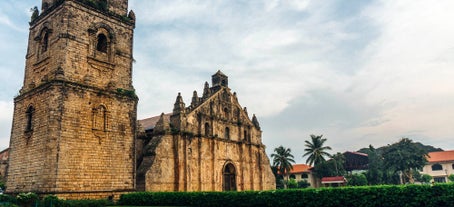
x=219, y=73
x=219, y=79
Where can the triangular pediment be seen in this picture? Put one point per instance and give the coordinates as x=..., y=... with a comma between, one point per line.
x=222, y=104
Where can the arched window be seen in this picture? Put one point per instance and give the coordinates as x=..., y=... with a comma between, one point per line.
x=29, y=119
x=45, y=42
x=304, y=176
x=101, y=44
x=227, y=133
x=226, y=113
x=207, y=129
x=292, y=176
x=229, y=178
x=453, y=166
x=437, y=167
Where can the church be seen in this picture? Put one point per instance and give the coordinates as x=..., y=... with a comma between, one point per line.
x=75, y=132
x=211, y=145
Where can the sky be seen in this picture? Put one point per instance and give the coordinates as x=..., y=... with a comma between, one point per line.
x=359, y=72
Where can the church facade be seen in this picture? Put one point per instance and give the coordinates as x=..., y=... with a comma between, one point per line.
x=75, y=131
x=210, y=145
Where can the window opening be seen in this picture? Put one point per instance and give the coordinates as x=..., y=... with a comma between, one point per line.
x=226, y=113
x=440, y=180
x=227, y=133
x=207, y=129
x=29, y=115
x=45, y=43
x=101, y=45
x=437, y=167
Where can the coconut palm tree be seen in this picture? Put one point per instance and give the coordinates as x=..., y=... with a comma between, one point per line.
x=316, y=150
x=282, y=160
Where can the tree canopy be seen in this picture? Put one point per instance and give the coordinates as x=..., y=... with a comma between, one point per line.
x=332, y=167
x=282, y=160
x=316, y=150
x=403, y=157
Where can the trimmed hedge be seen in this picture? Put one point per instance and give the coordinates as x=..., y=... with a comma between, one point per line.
x=53, y=201
x=364, y=196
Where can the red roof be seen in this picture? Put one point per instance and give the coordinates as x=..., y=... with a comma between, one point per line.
x=299, y=168
x=337, y=179
x=443, y=156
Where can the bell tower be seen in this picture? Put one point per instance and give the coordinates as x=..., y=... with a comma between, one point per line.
x=74, y=119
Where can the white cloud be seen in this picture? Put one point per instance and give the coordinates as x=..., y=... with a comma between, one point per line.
x=408, y=73
x=6, y=114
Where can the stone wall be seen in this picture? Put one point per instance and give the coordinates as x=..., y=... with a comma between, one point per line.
x=73, y=29
x=82, y=143
x=196, y=164
x=66, y=152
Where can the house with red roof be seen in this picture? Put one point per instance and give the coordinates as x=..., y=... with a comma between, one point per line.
x=302, y=172
x=335, y=181
x=440, y=165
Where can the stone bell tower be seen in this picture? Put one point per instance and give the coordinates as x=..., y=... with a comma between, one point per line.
x=74, y=119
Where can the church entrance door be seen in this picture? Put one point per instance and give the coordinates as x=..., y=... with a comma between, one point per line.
x=229, y=178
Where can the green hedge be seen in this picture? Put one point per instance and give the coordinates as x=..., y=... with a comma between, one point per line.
x=53, y=201
x=364, y=196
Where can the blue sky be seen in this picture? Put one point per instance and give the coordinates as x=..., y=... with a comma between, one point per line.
x=359, y=72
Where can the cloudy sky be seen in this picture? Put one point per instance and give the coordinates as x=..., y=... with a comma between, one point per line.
x=359, y=72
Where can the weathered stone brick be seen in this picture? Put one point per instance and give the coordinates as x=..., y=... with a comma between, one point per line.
x=78, y=93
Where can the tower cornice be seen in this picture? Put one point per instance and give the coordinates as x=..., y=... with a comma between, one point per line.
x=127, y=19
x=130, y=94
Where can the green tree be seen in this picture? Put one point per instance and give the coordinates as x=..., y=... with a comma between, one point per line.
x=403, y=157
x=451, y=177
x=375, y=173
x=279, y=178
x=357, y=180
x=291, y=183
x=332, y=167
x=282, y=160
x=425, y=178
x=315, y=150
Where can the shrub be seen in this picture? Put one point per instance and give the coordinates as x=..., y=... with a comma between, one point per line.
x=451, y=177
x=291, y=183
x=357, y=180
x=425, y=178
x=303, y=184
x=7, y=198
x=83, y=203
x=26, y=199
x=364, y=196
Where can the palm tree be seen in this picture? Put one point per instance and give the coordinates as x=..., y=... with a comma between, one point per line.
x=316, y=150
x=282, y=160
